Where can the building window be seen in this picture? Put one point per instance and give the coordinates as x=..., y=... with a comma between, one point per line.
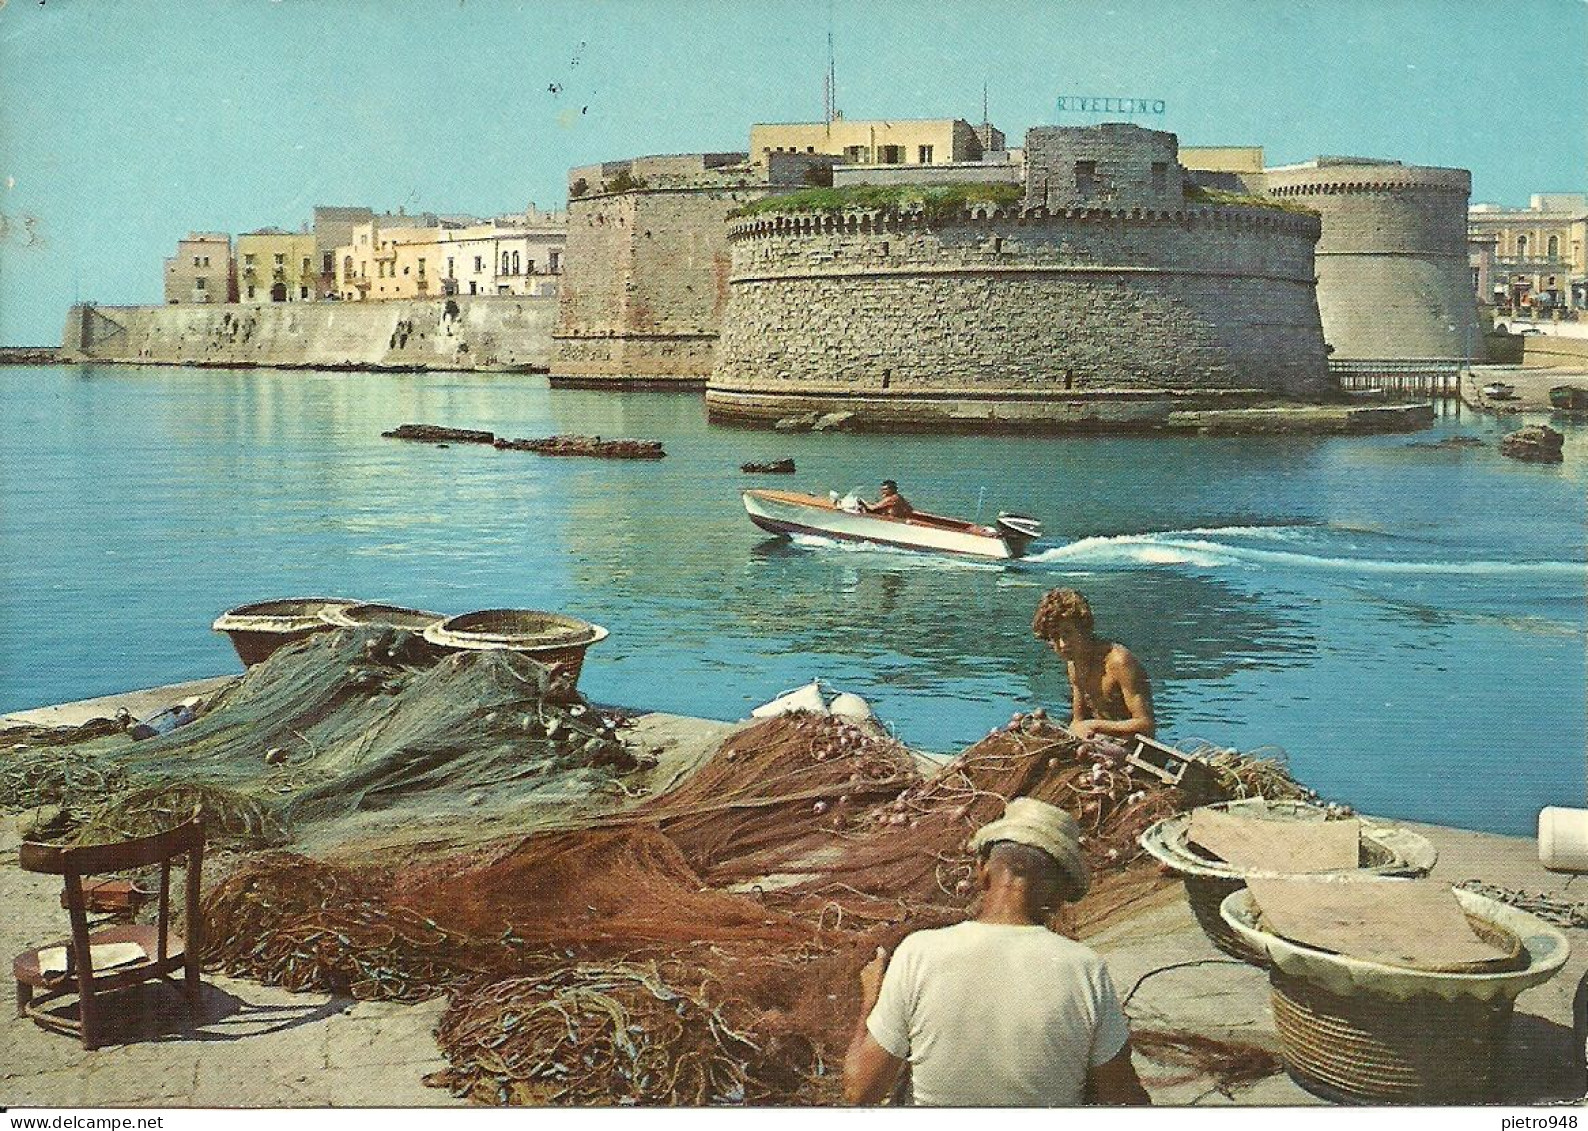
x=200, y=283
x=516, y=263
x=531, y=266
x=347, y=267
x=405, y=268
x=1085, y=177
x=556, y=262
x=891, y=155
x=479, y=265
x=196, y=262
x=855, y=154
x=507, y=264
x=305, y=264
x=1554, y=247
x=924, y=155
x=250, y=292
x=248, y=260
x=451, y=273
x=421, y=268
x=281, y=259
x=363, y=268
x=303, y=292
x=1160, y=176
x=1521, y=247
x=328, y=263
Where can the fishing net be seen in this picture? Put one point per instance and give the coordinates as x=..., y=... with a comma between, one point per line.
x=369, y=720
x=599, y=942
x=621, y=1033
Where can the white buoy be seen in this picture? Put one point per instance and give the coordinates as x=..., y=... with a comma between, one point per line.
x=1563, y=839
x=848, y=705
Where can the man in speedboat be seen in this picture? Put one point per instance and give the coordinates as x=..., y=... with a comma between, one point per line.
x=1109, y=691
x=889, y=503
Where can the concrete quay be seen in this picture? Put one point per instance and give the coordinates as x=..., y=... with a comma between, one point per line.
x=257, y=1046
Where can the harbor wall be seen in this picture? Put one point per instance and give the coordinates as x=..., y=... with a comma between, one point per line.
x=1081, y=305
x=477, y=332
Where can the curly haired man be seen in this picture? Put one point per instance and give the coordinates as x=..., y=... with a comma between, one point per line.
x=1109, y=691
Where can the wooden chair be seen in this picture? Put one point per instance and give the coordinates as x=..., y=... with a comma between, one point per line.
x=164, y=951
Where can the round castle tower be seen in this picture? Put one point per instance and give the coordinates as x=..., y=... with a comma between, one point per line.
x=1393, y=278
x=1106, y=296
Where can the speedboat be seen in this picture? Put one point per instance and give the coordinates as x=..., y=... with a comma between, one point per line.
x=1499, y=391
x=791, y=512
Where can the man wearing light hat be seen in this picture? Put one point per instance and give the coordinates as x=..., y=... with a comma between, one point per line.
x=999, y=1011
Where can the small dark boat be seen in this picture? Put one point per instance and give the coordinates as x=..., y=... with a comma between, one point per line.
x=1499, y=391
x=1569, y=398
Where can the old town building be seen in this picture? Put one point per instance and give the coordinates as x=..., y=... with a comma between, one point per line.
x=1530, y=260
x=201, y=270
x=277, y=266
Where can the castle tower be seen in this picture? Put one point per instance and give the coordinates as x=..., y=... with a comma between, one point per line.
x=1393, y=279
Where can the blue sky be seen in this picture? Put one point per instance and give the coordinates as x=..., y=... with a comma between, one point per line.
x=124, y=125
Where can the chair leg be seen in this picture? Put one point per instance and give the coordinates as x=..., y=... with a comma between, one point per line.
x=24, y=995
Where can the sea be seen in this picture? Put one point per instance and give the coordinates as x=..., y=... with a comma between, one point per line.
x=1400, y=617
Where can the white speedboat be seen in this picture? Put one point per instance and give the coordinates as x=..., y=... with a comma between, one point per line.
x=791, y=512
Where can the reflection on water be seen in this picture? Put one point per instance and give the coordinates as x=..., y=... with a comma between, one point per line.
x=1407, y=622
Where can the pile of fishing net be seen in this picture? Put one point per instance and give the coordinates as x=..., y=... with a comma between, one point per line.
x=747, y=899
x=353, y=721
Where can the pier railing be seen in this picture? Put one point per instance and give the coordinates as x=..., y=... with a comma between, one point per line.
x=1422, y=376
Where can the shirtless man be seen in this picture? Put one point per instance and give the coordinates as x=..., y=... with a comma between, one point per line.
x=890, y=502
x=1108, y=688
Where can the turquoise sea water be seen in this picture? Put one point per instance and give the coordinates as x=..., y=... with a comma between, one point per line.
x=1406, y=622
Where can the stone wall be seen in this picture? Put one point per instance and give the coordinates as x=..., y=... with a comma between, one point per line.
x=1084, y=305
x=487, y=332
x=645, y=284
x=1393, y=278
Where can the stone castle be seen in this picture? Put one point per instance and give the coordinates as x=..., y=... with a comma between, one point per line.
x=1112, y=290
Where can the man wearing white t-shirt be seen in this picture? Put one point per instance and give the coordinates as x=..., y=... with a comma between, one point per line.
x=999, y=1011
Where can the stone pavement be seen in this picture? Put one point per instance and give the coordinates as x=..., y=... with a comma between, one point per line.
x=250, y=1046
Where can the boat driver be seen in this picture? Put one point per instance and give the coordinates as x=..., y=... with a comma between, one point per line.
x=889, y=503
x=1109, y=692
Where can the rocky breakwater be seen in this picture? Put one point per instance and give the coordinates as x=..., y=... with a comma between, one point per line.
x=559, y=445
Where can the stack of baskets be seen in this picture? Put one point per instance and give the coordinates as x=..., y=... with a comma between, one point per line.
x=1384, y=850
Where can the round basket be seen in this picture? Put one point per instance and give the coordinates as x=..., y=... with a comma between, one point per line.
x=1375, y=1050
x=256, y=630
x=1357, y=1031
x=1384, y=850
x=373, y=613
x=549, y=638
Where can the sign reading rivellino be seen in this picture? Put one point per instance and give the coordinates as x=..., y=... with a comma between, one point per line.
x=1094, y=104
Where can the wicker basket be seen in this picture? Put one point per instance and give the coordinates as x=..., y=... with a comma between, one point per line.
x=258, y=629
x=1371, y=1049
x=550, y=638
x=1383, y=850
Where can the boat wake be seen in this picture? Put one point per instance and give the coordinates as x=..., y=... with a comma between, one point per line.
x=1220, y=548
x=897, y=554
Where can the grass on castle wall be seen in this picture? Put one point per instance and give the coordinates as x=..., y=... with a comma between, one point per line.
x=1197, y=194
x=936, y=202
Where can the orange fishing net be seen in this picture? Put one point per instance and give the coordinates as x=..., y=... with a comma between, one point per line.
x=703, y=945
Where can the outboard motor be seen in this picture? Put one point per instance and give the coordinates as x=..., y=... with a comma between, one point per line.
x=1018, y=531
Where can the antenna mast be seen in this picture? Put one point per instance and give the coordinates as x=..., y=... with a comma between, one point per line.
x=830, y=79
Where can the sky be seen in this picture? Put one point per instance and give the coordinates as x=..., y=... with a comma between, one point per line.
x=125, y=125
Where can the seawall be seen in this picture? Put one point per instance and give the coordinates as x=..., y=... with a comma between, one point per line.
x=475, y=332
